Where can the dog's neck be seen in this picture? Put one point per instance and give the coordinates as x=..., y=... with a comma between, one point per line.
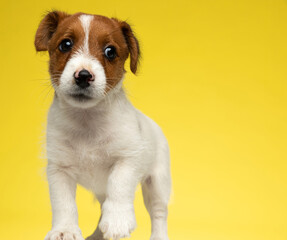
x=110, y=108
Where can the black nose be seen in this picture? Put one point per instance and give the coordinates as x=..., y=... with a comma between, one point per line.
x=83, y=78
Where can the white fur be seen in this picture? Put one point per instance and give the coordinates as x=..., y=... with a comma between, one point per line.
x=109, y=147
x=86, y=22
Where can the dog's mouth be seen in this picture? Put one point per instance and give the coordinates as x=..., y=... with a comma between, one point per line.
x=80, y=97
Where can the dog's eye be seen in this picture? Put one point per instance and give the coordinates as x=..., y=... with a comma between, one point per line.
x=110, y=52
x=66, y=45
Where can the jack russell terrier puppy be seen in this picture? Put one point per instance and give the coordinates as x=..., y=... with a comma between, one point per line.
x=95, y=137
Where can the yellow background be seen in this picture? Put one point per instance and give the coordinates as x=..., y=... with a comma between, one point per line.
x=213, y=76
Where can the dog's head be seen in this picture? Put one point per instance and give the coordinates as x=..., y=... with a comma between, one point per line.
x=87, y=54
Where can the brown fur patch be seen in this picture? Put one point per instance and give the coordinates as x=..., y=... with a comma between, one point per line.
x=70, y=28
x=105, y=32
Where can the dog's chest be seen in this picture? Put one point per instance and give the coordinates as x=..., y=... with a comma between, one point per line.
x=88, y=159
x=87, y=145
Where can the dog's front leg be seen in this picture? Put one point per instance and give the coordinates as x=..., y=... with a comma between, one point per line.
x=118, y=218
x=64, y=209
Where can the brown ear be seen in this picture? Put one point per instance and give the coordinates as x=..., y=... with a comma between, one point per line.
x=47, y=28
x=133, y=45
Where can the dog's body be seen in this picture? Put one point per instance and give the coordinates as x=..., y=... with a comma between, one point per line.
x=95, y=136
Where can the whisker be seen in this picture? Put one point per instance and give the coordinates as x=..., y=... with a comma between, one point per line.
x=47, y=94
x=47, y=89
x=112, y=79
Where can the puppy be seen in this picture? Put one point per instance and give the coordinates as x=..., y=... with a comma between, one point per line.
x=95, y=137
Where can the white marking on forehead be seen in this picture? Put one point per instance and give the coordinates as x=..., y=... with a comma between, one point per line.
x=85, y=22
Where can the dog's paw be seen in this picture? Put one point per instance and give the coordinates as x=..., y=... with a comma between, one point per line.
x=118, y=221
x=64, y=234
